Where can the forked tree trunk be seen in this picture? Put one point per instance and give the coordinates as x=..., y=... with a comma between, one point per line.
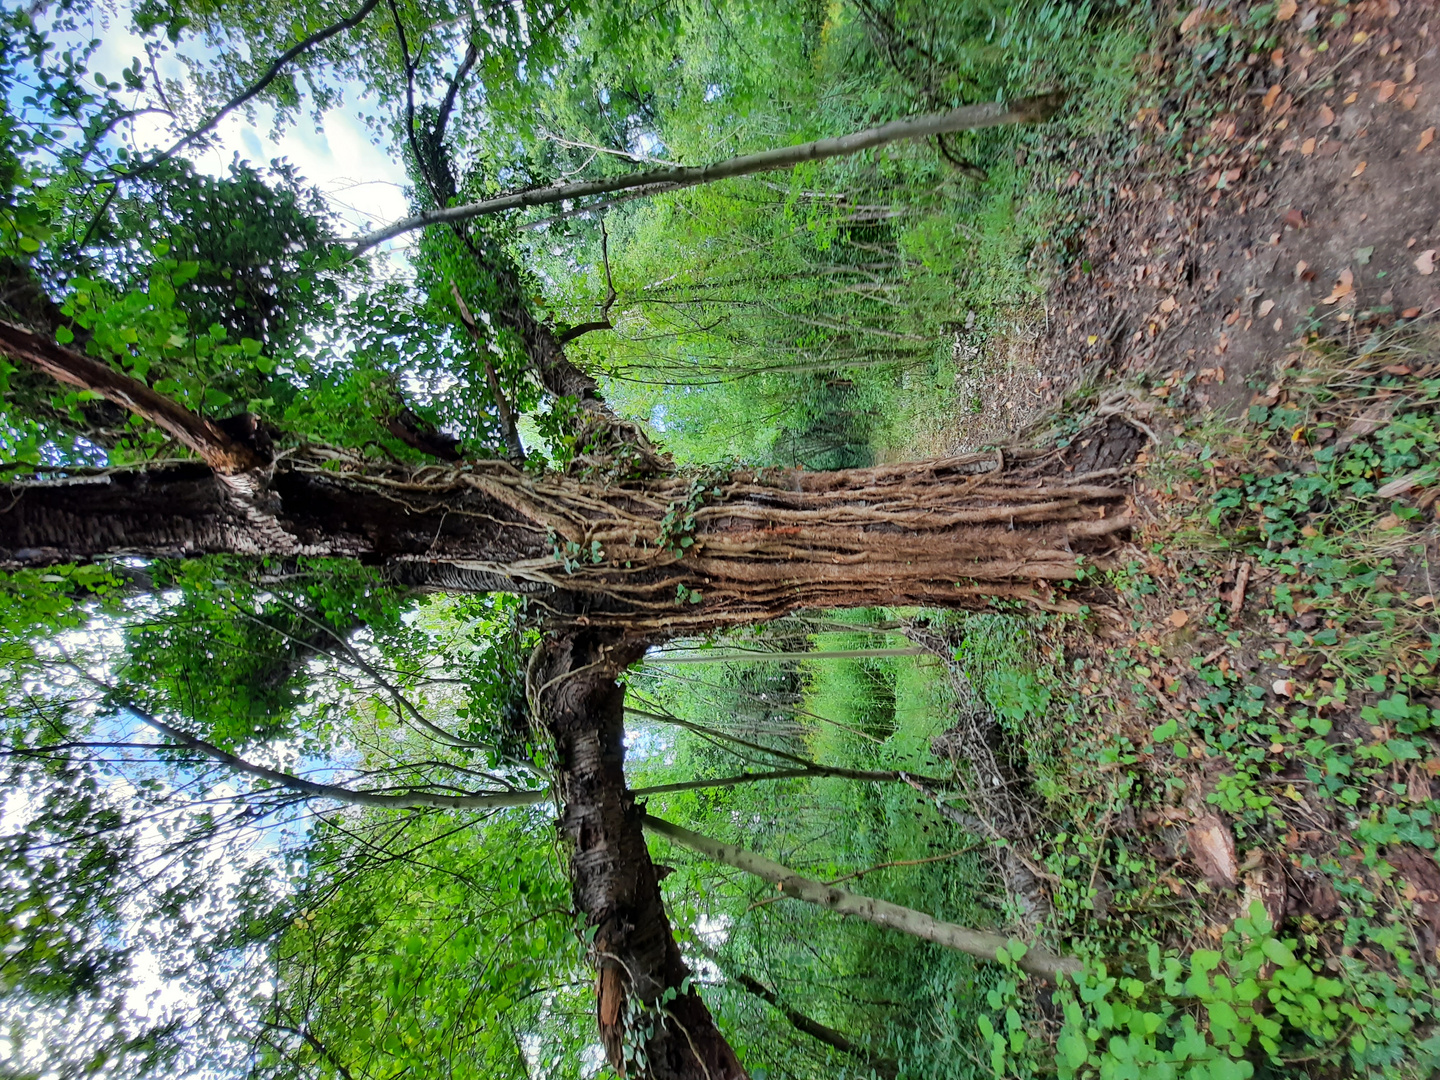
x=618, y=566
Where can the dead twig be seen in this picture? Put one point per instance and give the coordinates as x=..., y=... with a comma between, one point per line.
x=1237, y=595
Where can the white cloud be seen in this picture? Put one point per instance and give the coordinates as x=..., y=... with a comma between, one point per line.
x=363, y=183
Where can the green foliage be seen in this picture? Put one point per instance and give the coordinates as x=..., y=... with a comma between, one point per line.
x=1215, y=1014
x=467, y=953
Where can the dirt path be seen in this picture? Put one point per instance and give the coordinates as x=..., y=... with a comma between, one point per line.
x=1311, y=202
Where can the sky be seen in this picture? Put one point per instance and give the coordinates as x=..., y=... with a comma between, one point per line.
x=364, y=185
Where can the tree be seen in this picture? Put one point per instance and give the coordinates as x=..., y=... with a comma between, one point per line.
x=615, y=551
x=615, y=566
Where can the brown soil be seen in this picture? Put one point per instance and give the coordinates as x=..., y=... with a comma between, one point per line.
x=1307, y=204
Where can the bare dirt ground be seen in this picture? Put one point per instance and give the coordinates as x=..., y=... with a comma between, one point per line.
x=1308, y=203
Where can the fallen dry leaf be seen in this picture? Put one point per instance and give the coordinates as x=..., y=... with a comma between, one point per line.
x=1295, y=218
x=1426, y=262
x=1410, y=98
x=1360, y=168
x=1387, y=90
x=1352, y=97
x=1286, y=11
x=1278, y=58
x=1214, y=849
x=1308, y=146
x=1426, y=138
x=1343, y=288
x=1409, y=75
x=1192, y=20
x=1179, y=618
x=1389, y=521
x=1402, y=485
x=1327, y=116
x=1300, y=268
x=1279, y=325
x=1410, y=313
x=1266, y=306
x=1271, y=96
x=1168, y=305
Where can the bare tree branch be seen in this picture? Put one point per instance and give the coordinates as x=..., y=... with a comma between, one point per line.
x=602, y=323
x=965, y=118
x=982, y=944
x=256, y=88
x=311, y=789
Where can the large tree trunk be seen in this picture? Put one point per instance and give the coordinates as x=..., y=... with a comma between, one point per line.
x=649, y=1027
x=655, y=558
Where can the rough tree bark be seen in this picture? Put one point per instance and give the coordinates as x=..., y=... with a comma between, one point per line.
x=572, y=686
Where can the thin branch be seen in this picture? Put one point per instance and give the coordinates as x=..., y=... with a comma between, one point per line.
x=758, y=656
x=311, y=789
x=411, y=137
x=814, y=766
x=447, y=103
x=602, y=323
x=799, y=1021
x=965, y=118
x=256, y=88
x=315, y=1044
x=981, y=944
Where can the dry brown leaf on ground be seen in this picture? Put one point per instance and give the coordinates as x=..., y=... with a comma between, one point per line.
x=1192, y=20
x=1343, y=288
x=1426, y=138
x=1426, y=262
x=1179, y=618
x=1327, y=116
x=1286, y=11
x=1213, y=846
